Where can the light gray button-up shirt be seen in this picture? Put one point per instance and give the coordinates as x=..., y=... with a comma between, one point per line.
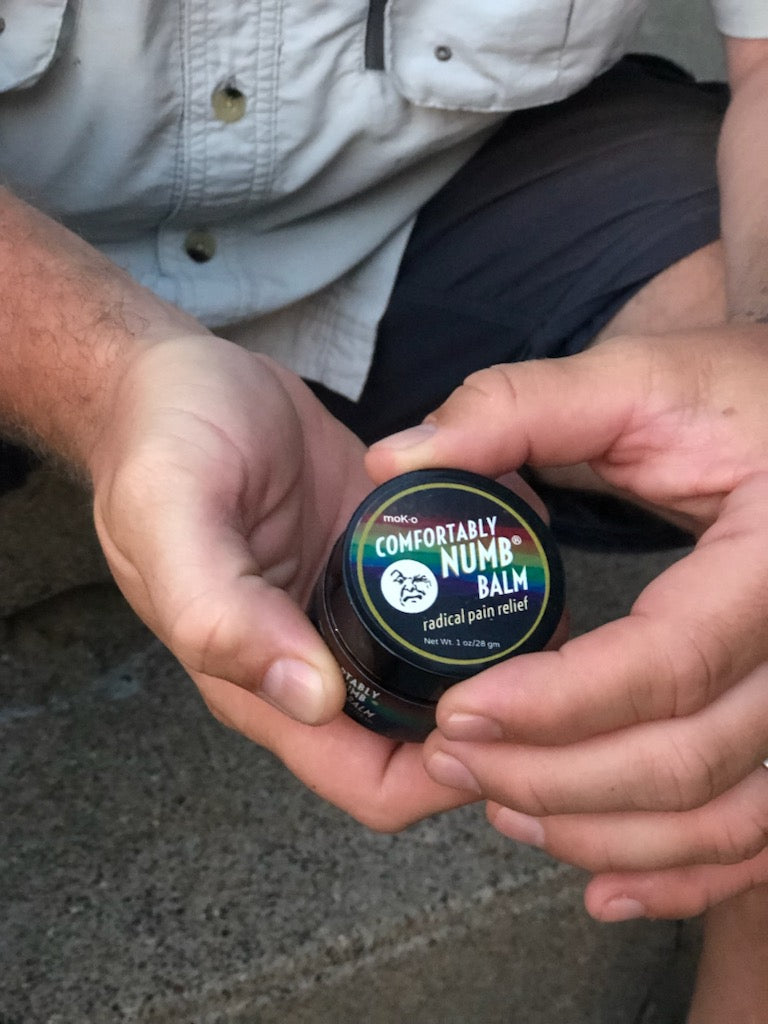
x=260, y=163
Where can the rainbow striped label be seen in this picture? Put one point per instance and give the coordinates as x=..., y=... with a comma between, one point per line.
x=452, y=574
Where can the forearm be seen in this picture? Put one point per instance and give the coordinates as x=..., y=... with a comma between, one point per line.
x=70, y=324
x=743, y=170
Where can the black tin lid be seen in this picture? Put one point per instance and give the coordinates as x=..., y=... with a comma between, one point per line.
x=452, y=572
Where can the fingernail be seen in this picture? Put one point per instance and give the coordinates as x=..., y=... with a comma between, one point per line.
x=520, y=827
x=295, y=688
x=622, y=908
x=446, y=770
x=408, y=438
x=460, y=726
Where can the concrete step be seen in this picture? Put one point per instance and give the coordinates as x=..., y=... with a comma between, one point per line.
x=155, y=867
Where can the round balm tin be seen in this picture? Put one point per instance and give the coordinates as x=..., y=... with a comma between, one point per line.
x=439, y=575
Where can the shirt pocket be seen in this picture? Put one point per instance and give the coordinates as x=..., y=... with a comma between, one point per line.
x=599, y=33
x=482, y=55
x=28, y=42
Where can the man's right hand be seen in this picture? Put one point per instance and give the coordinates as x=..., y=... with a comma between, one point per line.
x=220, y=486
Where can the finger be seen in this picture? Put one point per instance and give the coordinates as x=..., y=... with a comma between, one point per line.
x=541, y=412
x=190, y=573
x=380, y=783
x=672, y=893
x=692, y=634
x=730, y=829
x=650, y=416
x=659, y=766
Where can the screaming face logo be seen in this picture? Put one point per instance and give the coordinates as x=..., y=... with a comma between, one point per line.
x=409, y=586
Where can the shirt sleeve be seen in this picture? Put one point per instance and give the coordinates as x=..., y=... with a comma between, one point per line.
x=745, y=19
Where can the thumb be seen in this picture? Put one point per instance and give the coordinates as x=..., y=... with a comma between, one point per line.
x=195, y=581
x=247, y=632
x=543, y=413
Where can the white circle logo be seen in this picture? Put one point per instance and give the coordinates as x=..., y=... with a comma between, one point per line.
x=409, y=586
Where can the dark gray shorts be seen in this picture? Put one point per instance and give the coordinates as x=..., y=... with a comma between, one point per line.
x=529, y=250
x=562, y=216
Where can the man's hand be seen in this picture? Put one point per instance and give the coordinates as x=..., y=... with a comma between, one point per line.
x=220, y=486
x=635, y=751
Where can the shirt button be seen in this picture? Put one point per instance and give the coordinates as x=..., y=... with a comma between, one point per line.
x=228, y=103
x=443, y=52
x=200, y=246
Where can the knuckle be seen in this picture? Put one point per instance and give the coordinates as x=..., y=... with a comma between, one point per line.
x=491, y=387
x=592, y=852
x=200, y=636
x=680, y=780
x=689, y=672
x=646, y=700
x=740, y=840
x=537, y=798
x=701, y=680
x=379, y=806
x=381, y=818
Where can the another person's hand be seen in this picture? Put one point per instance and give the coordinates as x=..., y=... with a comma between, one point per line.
x=636, y=750
x=220, y=486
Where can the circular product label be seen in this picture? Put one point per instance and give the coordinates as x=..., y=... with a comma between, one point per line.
x=451, y=572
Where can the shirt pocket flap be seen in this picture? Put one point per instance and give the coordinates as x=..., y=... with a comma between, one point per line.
x=28, y=41
x=477, y=54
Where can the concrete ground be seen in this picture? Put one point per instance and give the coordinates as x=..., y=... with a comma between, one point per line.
x=157, y=869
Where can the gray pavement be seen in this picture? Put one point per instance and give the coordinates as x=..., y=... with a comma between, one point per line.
x=156, y=868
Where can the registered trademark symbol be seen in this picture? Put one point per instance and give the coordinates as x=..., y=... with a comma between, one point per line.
x=517, y=539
